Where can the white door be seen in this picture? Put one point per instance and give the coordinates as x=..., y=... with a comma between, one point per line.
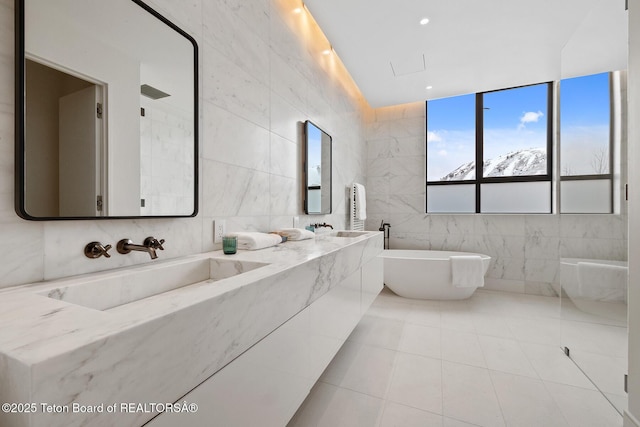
x=79, y=153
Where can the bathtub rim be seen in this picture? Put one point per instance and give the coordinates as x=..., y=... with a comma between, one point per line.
x=575, y=261
x=415, y=254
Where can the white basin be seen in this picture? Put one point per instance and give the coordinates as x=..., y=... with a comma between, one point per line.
x=351, y=234
x=113, y=290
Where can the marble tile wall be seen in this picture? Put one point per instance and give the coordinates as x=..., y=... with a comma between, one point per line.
x=166, y=144
x=525, y=249
x=259, y=80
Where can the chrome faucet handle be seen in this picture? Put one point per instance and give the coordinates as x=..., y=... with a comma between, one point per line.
x=154, y=243
x=96, y=250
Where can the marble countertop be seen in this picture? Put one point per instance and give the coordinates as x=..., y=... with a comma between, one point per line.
x=36, y=327
x=157, y=348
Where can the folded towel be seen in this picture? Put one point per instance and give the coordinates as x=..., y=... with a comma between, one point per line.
x=467, y=271
x=296, y=233
x=360, y=202
x=253, y=240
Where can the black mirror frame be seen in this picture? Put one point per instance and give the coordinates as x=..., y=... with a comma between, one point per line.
x=20, y=115
x=307, y=123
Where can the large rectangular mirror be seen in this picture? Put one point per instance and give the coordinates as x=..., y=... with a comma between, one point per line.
x=317, y=190
x=106, y=112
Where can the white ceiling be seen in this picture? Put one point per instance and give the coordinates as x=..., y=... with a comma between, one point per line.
x=469, y=45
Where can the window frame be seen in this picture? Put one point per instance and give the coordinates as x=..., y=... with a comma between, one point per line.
x=479, y=151
x=592, y=177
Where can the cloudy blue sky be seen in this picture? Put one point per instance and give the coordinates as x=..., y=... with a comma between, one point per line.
x=516, y=119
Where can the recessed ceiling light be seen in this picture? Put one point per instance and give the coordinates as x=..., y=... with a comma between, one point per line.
x=424, y=21
x=297, y=10
x=326, y=51
x=429, y=87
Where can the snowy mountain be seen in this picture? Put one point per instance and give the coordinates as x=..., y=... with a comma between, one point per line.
x=532, y=161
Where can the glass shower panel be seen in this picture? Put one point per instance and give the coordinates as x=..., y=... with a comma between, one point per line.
x=594, y=322
x=593, y=271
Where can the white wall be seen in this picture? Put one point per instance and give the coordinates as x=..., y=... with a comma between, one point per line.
x=258, y=80
x=525, y=249
x=166, y=147
x=634, y=214
x=42, y=141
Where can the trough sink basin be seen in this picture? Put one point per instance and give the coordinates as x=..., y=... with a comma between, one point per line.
x=348, y=233
x=129, y=285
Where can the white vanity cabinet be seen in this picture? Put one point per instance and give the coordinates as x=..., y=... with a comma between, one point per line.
x=265, y=385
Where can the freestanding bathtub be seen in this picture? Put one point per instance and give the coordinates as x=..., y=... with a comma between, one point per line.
x=424, y=274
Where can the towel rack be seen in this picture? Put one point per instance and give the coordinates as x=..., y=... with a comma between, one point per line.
x=356, y=224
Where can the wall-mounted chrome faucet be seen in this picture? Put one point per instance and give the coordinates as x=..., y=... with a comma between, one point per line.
x=324, y=224
x=96, y=250
x=150, y=245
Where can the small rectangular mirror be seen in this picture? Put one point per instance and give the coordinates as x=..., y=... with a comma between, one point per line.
x=317, y=186
x=106, y=112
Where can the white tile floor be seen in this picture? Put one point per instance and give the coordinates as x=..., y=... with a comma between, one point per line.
x=596, y=333
x=491, y=360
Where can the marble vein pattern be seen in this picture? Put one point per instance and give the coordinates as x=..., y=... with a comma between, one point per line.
x=161, y=346
x=258, y=81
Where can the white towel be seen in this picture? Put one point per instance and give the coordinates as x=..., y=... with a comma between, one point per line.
x=602, y=282
x=296, y=233
x=254, y=240
x=360, y=202
x=467, y=271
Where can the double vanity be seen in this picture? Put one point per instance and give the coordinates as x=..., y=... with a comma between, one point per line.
x=224, y=339
x=234, y=340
